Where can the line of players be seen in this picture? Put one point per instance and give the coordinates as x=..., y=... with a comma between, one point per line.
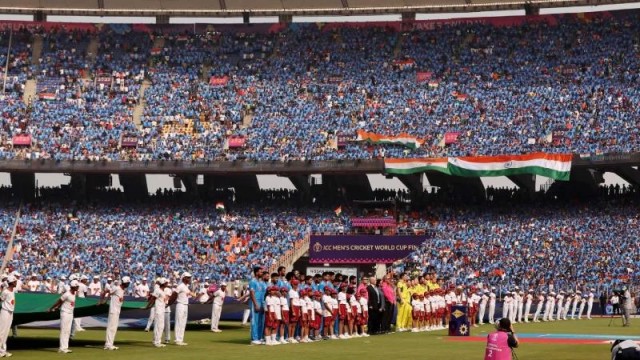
x=430, y=310
x=295, y=315
x=563, y=305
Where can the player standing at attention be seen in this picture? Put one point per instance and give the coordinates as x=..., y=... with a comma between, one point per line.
x=66, y=303
x=181, y=298
x=8, y=299
x=158, y=300
x=115, y=305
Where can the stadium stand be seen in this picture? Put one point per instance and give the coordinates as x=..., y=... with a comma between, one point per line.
x=465, y=82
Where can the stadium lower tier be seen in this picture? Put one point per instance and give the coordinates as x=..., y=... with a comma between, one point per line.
x=565, y=244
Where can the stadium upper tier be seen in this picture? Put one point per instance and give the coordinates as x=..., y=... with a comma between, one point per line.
x=271, y=7
x=558, y=84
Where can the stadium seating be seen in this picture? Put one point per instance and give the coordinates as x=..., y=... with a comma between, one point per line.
x=492, y=86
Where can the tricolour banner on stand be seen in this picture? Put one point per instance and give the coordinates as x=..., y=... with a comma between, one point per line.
x=555, y=166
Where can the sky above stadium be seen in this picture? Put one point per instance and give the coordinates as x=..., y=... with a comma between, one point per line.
x=273, y=181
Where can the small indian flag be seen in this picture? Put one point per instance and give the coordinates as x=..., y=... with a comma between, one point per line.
x=47, y=96
x=338, y=210
x=220, y=206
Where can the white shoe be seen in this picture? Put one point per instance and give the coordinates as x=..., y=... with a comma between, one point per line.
x=181, y=343
x=256, y=342
x=293, y=341
x=80, y=329
x=366, y=335
x=160, y=345
x=64, y=351
x=283, y=342
x=476, y=325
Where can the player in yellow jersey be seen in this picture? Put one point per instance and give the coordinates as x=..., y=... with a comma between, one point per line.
x=403, y=320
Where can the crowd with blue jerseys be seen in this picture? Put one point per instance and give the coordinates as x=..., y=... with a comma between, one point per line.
x=556, y=84
x=546, y=244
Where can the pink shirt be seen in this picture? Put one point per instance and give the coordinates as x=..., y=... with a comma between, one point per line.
x=366, y=293
x=497, y=347
x=387, y=290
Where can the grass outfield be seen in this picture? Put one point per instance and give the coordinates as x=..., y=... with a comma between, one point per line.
x=233, y=342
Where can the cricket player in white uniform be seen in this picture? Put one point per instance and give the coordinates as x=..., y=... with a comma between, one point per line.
x=151, y=312
x=168, y=291
x=33, y=284
x=583, y=301
x=66, y=303
x=519, y=305
x=115, y=305
x=492, y=305
x=158, y=301
x=552, y=305
x=95, y=288
x=541, y=297
x=590, y=303
x=506, y=305
x=82, y=291
x=61, y=287
x=8, y=299
x=143, y=289
x=19, y=287
x=548, y=310
x=527, y=305
x=567, y=305
x=217, y=300
x=181, y=297
x=560, y=305
x=574, y=306
x=49, y=286
x=483, y=306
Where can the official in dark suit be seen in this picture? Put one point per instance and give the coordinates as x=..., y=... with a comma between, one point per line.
x=376, y=306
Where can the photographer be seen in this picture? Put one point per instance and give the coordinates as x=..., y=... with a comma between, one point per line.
x=501, y=342
x=615, y=303
x=625, y=350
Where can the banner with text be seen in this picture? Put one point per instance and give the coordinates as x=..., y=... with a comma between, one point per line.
x=362, y=249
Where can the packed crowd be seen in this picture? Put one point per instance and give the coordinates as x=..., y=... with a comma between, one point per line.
x=556, y=85
x=542, y=244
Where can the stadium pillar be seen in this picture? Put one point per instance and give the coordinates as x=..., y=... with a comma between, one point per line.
x=527, y=182
x=347, y=188
x=531, y=10
x=285, y=19
x=163, y=19
x=24, y=185
x=79, y=186
x=246, y=18
x=471, y=188
x=413, y=182
x=39, y=16
x=134, y=185
x=190, y=183
x=301, y=182
x=583, y=182
x=408, y=17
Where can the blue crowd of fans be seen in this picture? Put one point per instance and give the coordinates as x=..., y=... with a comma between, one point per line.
x=561, y=85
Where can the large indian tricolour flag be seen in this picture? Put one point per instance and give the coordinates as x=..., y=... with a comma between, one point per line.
x=555, y=166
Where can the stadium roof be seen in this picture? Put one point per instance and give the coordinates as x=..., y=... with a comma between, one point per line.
x=235, y=8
